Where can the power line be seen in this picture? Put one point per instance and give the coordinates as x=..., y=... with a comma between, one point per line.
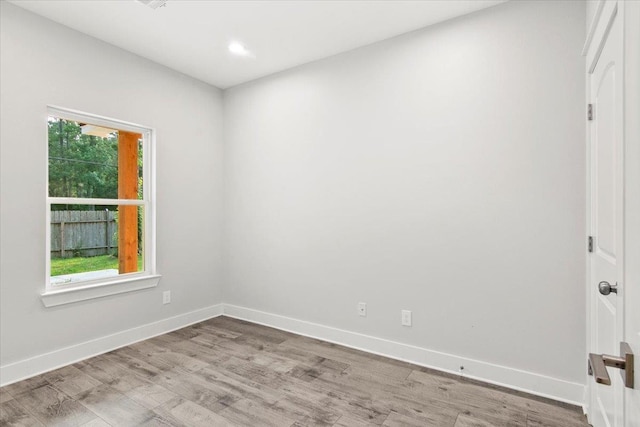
x=82, y=161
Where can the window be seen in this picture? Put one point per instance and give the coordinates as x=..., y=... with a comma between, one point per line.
x=100, y=207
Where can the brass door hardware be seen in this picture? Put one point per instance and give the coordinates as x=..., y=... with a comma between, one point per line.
x=598, y=365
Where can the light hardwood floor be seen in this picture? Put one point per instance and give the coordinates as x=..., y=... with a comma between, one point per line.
x=226, y=372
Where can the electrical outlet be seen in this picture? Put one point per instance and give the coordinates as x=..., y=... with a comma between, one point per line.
x=362, y=308
x=166, y=297
x=406, y=318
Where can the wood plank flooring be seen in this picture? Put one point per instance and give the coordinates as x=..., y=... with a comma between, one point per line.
x=226, y=372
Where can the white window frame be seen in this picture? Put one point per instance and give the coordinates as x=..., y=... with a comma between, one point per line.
x=89, y=289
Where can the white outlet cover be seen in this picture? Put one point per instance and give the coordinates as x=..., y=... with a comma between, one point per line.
x=362, y=309
x=406, y=318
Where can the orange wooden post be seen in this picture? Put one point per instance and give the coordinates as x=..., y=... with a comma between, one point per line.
x=128, y=189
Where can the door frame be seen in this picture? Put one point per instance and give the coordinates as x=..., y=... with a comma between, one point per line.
x=627, y=15
x=631, y=109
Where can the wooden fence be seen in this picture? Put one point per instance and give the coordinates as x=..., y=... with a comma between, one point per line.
x=83, y=233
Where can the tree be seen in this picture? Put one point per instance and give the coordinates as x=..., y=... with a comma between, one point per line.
x=81, y=165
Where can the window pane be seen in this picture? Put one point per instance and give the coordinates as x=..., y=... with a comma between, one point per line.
x=93, y=242
x=83, y=161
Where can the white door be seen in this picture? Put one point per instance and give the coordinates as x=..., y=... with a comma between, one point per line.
x=606, y=218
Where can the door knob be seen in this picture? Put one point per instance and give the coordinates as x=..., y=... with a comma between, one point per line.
x=605, y=288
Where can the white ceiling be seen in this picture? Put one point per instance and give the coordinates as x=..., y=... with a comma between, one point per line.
x=192, y=36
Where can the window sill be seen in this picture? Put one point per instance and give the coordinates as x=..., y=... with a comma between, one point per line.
x=52, y=298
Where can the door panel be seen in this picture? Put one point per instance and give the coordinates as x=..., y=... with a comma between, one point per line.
x=605, y=166
x=606, y=261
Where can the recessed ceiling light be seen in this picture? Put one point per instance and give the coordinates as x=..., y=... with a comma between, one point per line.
x=238, y=48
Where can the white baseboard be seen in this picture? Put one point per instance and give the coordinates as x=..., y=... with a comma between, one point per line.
x=23, y=369
x=517, y=379
x=541, y=385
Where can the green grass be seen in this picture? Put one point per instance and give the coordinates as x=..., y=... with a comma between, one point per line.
x=60, y=266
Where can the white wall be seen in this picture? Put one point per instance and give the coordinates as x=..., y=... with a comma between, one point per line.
x=45, y=63
x=441, y=171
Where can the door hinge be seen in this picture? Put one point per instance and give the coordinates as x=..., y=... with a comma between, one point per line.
x=590, y=112
x=590, y=244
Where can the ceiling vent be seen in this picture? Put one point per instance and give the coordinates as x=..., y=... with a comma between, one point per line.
x=153, y=4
